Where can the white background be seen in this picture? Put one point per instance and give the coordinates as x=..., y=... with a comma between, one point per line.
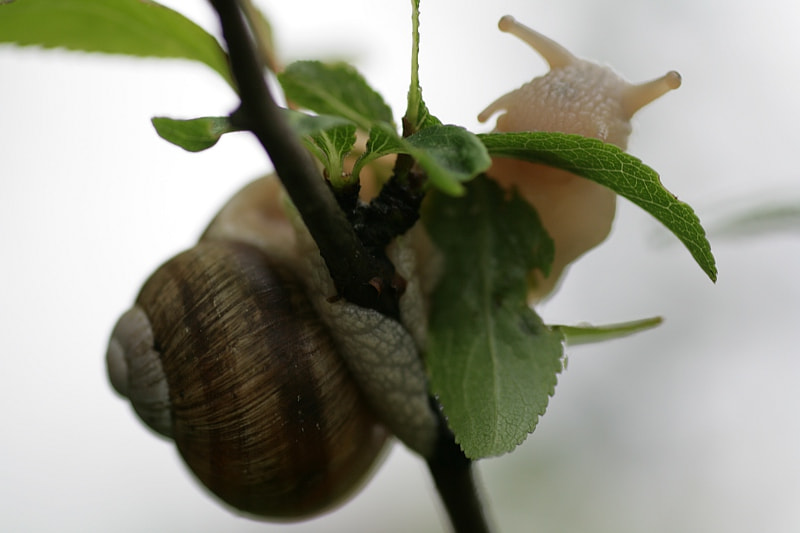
x=694, y=427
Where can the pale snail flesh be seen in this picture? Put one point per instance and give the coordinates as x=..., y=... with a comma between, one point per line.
x=230, y=351
x=578, y=97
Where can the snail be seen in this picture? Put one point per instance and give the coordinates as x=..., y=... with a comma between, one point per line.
x=575, y=96
x=236, y=351
x=280, y=397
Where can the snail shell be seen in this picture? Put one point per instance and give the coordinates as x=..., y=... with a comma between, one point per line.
x=279, y=398
x=225, y=354
x=575, y=96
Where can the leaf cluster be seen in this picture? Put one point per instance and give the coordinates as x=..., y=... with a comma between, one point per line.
x=493, y=363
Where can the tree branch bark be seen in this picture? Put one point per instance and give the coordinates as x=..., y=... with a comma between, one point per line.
x=360, y=277
x=454, y=476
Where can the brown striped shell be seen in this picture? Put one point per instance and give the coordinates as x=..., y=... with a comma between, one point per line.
x=224, y=353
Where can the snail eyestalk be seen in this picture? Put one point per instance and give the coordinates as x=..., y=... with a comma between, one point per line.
x=636, y=97
x=556, y=55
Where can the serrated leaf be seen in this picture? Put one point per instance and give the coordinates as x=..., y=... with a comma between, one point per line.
x=383, y=140
x=332, y=146
x=611, y=167
x=336, y=142
x=334, y=89
x=586, y=334
x=450, y=155
x=492, y=361
x=329, y=138
x=131, y=27
x=193, y=135
x=424, y=117
x=417, y=116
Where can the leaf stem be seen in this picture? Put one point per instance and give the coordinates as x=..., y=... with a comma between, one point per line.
x=411, y=119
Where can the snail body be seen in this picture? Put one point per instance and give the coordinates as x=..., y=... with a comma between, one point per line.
x=579, y=97
x=229, y=350
x=280, y=396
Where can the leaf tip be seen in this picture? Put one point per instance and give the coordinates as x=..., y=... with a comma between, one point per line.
x=712, y=272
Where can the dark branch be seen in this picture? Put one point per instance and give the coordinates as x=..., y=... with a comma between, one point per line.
x=393, y=212
x=454, y=476
x=364, y=278
x=359, y=277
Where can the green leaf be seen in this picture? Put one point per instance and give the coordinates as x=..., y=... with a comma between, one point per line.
x=193, y=135
x=199, y=134
x=415, y=104
x=383, y=140
x=131, y=27
x=328, y=137
x=334, y=89
x=611, y=167
x=331, y=147
x=417, y=115
x=586, y=334
x=450, y=155
x=761, y=219
x=493, y=362
x=305, y=124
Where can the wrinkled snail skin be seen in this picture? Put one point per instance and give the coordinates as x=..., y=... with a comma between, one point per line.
x=279, y=398
x=579, y=97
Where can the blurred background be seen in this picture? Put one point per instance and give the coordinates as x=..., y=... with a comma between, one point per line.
x=692, y=427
